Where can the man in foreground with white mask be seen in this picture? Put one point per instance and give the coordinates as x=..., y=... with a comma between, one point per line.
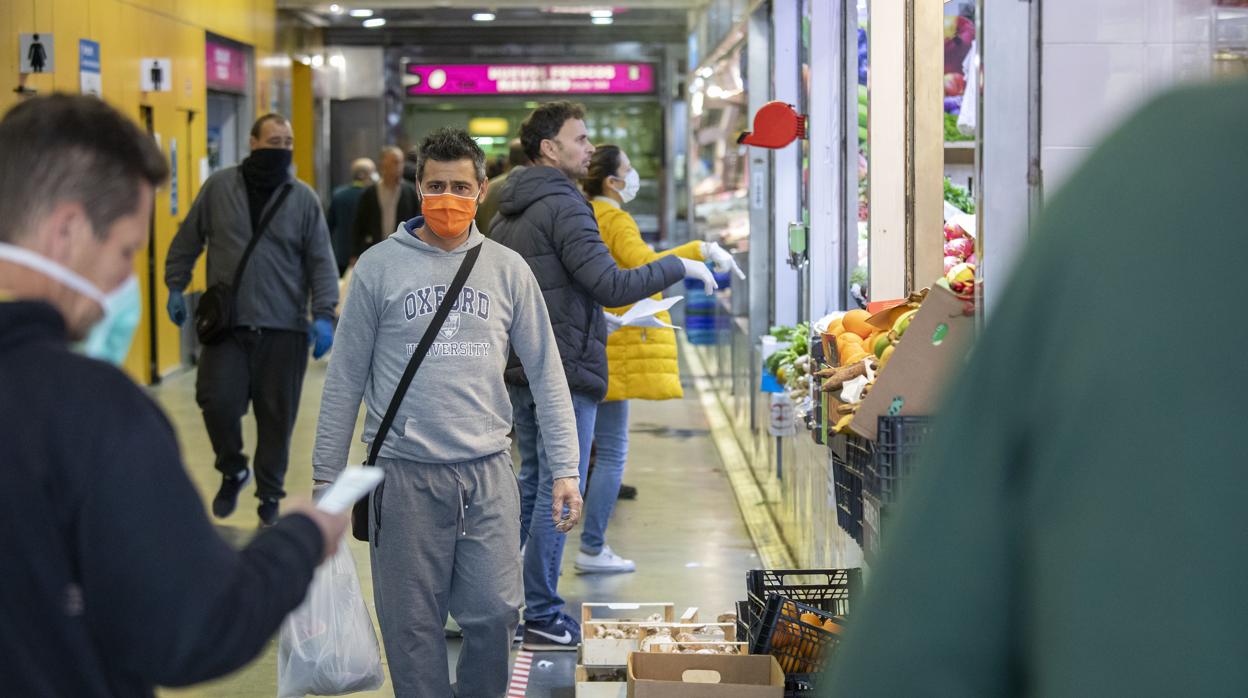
x=445, y=526
x=115, y=581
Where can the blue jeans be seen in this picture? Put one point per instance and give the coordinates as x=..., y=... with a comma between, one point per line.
x=544, y=555
x=611, y=440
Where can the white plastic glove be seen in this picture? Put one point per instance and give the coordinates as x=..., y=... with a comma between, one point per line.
x=699, y=270
x=721, y=259
x=614, y=322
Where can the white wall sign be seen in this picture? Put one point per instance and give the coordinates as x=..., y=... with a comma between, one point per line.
x=36, y=54
x=156, y=75
x=89, y=82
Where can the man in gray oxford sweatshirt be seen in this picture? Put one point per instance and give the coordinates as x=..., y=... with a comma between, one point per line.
x=445, y=524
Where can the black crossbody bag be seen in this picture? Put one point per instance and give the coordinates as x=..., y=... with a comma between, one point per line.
x=359, y=513
x=214, y=316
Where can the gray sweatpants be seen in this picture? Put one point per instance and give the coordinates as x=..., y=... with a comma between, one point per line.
x=447, y=543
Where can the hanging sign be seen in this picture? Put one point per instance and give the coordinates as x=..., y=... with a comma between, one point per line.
x=490, y=79
x=226, y=67
x=89, y=82
x=35, y=53
x=156, y=75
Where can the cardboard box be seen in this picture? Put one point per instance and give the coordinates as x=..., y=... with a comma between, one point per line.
x=597, y=619
x=927, y=358
x=704, y=676
x=591, y=683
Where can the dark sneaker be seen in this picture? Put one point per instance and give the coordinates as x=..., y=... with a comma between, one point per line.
x=267, y=511
x=628, y=492
x=560, y=635
x=227, y=497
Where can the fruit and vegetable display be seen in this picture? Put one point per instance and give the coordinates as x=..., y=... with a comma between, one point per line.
x=959, y=38
x=857, y=352
x=797, y=653
x=729, y=648
x=959, y=197
x=960, y=257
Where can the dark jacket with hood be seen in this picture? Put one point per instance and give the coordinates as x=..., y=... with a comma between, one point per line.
x=114, y=579
x=544, y=217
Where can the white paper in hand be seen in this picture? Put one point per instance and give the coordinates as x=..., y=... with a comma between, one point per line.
x=643, y=312
x=355, y=482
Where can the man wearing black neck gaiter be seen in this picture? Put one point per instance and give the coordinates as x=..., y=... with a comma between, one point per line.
x=263, y=360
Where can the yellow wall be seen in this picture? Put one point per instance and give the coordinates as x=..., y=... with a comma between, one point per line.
x=127, y=31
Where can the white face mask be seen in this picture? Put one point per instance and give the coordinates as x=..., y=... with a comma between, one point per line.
x=632, y=184
x=110, y=337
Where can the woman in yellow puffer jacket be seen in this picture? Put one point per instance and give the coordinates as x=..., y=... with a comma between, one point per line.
x=641, y=361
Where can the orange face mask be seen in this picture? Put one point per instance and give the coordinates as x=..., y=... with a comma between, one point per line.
x=448, y=215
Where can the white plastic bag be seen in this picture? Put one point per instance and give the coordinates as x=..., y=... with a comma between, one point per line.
x=327, y=646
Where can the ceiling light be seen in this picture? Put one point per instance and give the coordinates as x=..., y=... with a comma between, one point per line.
x=375, y=22
x=336, y=9
x=483, y=17
x=318, y=60
x=603, y=20
x=338, y=61
x=360, y=14
x=601, y=14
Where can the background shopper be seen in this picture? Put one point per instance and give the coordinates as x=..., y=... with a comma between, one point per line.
x=263, y=360
x=114, y=579
x=544, y=217
x=641, y=362
x=385, y=204
x=342, y=208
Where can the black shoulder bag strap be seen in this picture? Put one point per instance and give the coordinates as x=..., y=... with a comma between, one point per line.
x=360, y=513
x=255, y=237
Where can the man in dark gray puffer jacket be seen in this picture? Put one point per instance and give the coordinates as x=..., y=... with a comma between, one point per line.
x=545, y=217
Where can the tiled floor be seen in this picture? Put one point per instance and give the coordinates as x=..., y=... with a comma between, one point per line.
x=684, y=530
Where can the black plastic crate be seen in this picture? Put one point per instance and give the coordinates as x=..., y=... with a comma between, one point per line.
x=802, y=638
x=848, y=486
x=744, y=632
x=860, y=459
x=897, y=446
x=830, y=590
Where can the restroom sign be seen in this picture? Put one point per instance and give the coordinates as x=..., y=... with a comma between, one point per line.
x=35, y=53
x=156, y=75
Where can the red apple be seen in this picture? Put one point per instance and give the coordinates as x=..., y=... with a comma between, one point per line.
x=960, y=248
x=955, y=84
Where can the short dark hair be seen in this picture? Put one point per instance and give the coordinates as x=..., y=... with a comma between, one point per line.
x=257, y=127
x=72, y=148
x=545, y=123
x=604, y=163
x=449, y=145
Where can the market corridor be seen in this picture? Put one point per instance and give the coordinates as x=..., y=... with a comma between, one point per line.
x=684, y=530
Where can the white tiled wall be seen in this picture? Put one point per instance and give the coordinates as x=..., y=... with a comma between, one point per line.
x=1103, y=58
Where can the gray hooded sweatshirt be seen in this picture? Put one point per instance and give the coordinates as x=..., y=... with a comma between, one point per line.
x=457, y=408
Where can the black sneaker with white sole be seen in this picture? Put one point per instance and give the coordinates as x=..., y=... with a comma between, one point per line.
x=267, y=511
x=227, y=496
x=560, y=635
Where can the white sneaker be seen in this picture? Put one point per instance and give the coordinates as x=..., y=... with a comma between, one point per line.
x=605, y=561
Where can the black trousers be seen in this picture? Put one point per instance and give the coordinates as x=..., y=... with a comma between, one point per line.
x=263, y=368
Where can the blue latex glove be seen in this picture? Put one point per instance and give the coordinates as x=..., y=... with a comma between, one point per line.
x=176, y=307
x=322, y=333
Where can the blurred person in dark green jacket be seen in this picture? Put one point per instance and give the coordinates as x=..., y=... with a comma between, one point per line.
x=1077, y=524
x=341, y=214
